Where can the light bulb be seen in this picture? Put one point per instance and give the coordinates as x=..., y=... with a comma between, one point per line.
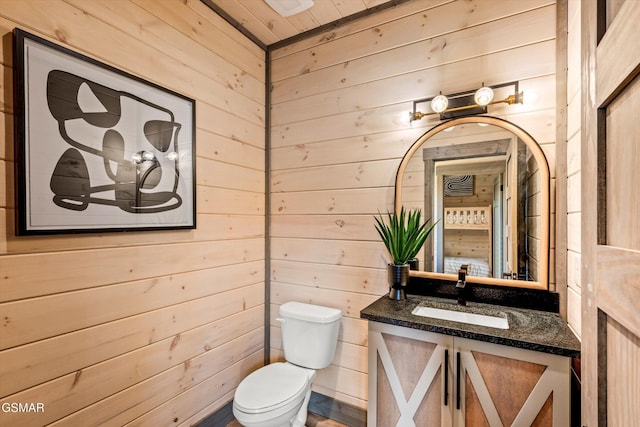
x=136, y=157
x=172, y=155
x=483, y=96
x=439, y=103
x=148, y=155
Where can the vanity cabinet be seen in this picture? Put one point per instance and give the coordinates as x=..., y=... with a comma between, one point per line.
x=419, y=378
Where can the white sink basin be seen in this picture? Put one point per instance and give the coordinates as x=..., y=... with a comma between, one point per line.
x=461, y=316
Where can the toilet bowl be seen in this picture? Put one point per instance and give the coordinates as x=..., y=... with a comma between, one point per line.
x=274, y=395
x=277, y=395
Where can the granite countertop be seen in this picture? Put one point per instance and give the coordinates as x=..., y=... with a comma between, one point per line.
x=529, y=329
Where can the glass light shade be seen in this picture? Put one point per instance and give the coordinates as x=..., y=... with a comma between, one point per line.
x=439, y=103
x=483, y=96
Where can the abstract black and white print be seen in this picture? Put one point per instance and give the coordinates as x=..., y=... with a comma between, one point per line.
x=458, y=185
x=103, y=150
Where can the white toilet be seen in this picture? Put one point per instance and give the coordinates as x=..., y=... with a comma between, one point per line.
x=277, y=395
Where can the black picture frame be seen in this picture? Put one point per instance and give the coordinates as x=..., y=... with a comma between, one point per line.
x=98, y=149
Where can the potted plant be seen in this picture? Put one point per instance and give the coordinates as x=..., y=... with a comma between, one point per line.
x=403, y=235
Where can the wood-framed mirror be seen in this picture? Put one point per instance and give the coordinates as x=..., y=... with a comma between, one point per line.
x=487, y=183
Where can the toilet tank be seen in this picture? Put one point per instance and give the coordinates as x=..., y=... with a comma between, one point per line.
x=309, y=334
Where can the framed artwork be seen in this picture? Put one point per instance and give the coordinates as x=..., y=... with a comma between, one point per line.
x=460, y=185
x=98, y=149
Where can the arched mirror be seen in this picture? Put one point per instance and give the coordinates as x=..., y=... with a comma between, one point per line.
x=486, y=182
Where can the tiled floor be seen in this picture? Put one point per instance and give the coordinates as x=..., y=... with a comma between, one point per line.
x=313, y=420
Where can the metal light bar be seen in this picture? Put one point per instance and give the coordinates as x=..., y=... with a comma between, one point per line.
x=468, y=107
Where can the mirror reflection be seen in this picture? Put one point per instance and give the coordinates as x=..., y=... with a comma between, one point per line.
x=486, y=181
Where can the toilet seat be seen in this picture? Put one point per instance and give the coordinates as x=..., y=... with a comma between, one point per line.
x=275, y=387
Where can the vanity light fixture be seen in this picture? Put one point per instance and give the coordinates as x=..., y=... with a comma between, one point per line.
x=468, y=103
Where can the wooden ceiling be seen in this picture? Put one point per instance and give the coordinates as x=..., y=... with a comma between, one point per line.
x=269, y=28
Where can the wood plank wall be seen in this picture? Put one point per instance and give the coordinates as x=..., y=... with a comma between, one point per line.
x=141, y=328
x=340, y=110
x=573, y=162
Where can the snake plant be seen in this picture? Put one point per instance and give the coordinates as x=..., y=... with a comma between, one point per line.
x=403, y=234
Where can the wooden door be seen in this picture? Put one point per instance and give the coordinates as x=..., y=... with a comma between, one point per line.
x=498, y=231
x=511, y=209
x=611, y=213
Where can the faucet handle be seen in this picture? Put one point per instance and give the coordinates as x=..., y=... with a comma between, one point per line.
x=463, y=271
x=462, y=284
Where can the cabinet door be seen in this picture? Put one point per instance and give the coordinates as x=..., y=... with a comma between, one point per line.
x=505, y=386
x=408, y=384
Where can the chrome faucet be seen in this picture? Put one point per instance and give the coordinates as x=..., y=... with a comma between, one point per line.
x=461, y=286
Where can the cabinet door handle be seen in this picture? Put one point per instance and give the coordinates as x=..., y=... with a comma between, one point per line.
x=458, y=380
x=446, y=377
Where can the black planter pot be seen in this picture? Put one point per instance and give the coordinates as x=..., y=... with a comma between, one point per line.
x=398, y=277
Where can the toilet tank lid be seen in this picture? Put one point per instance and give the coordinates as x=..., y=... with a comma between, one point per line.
x=310, y=312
